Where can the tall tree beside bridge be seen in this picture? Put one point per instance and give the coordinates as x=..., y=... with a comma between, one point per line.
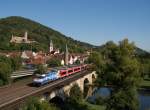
x=122, y=73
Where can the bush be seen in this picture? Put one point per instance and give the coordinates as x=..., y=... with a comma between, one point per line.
x=5, y=71
x=36, y=104
x=40, y=69
x=54, y=62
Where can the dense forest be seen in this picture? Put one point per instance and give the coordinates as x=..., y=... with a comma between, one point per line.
x=18, y=25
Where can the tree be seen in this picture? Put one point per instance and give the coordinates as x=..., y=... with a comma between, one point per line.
x=5, y=71
x=121, y=71
x=5, y=59
x=98, y=63
x=36, y=104
x=77, y=62
x=75, y=100
x=40, y=69
x=54, y=62
x=16, y=63
x=76, y=93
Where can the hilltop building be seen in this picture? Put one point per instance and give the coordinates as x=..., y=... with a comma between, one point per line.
x=24, y=39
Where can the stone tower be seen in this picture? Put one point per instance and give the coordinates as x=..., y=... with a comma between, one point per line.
x=26, y=36
x=66, y=55
x=51, y=46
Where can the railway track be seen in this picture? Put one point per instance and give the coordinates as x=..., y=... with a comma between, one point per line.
x=12, y=96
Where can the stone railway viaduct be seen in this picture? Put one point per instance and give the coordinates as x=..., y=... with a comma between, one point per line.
x=65, y=90
x=59, y=88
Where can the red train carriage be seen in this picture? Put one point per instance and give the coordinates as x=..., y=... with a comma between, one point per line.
x=77, y=69
x=70, y=71
x=63, y=72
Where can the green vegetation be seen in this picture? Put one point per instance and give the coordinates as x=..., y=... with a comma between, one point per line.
x=16, y=63
x=40, y=70
x=94, y=107
x=77, y=62
x=54, y=62
x=144, y=60
x=145, y=83
x=75, y=93
x=119, y=65
x=119, y=68
x=36, y=104
x=76, y=102
x=5, y=70
x=38, y=32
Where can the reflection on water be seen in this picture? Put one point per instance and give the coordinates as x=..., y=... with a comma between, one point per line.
x=144, y=97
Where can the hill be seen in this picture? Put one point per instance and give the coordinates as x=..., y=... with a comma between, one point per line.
x=18, y=25
x=42, y=34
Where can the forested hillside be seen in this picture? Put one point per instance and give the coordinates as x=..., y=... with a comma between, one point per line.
x=38, y=32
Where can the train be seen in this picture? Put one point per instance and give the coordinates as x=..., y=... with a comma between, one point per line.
x=57, y=73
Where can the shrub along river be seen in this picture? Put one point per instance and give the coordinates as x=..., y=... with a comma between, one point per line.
x=143, y=96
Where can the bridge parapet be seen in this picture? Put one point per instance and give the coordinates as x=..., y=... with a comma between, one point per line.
x=65, y=90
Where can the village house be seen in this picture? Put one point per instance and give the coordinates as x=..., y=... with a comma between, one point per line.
x=30, y=57
x=33, y=58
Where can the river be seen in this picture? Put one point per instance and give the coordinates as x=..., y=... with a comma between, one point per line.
x=143, y=96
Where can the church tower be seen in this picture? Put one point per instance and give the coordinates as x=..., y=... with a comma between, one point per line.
x=66, y=55
x=51, y=46
x=12, y=38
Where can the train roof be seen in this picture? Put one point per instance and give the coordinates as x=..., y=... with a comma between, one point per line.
x=60, y=68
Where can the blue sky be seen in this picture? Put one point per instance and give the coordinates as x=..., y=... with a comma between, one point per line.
x=92, y=21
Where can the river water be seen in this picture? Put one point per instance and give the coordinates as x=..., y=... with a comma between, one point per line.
x=144, y=97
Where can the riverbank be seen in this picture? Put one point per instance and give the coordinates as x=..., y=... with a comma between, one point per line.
x=93, y=106
x=145, y=85
x=145, y=82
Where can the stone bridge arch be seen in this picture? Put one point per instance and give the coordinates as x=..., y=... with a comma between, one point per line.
x=86, y=86
x=65, y=90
